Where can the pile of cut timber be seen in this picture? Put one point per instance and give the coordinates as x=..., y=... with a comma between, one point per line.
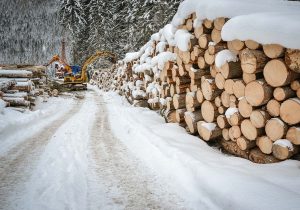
x=19, y=87
x=240, y=93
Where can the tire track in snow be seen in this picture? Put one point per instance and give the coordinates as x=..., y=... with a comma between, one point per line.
x=127, y=184
x=16, y=166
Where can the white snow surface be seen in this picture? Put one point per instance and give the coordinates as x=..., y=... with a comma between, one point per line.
x=225, y=56
x=200, y=174
x=14, y=125
x=284, y=143
x=230, y=111
x=4, y=71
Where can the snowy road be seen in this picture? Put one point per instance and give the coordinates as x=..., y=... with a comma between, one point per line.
x=76, y=163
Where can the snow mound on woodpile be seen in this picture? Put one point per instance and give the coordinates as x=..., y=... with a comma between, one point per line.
x=267, y=21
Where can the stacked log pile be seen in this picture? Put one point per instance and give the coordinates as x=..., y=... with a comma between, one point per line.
x=19, y=87
x=249, y=102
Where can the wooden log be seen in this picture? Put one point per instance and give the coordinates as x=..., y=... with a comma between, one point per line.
x=191, y=119
x=208, y=23
x=225, y=98
x=191, y=100
x=249, y=131
x=201, y=63
x=203, y=41
x=222, y=122
x=180, y=115
x=179, y=101
x=216, y=36
x=284, y=149
x=259, y=118
x=290, y=111
x=183, y=80
x=209, y=59
x=295, y=85
x=247, y=78
x=208, y=131
x=220, y=81
x=170, y=105
x=18, y=101
x=252, y=45
x=235, y=45
x=233, y=116
x=273, y=108
x=277, y=73
x=219, y=23
x=258, y=92
x=228, y=85
x=218, y=101
x=232, y=148
x=239, y=88
x=5, y=85
x=265, y=144
x=273, y=50
x=213, y=71
x=170, y=116
x=293, y=135
x=200, y=31
x=252, y=61
x=283, y=93
x=257, y=156
x=215, y=48
x=199, y=96
x=275, y=129
x=189, y=24
x=181, y=88
x=209, y=89
x=186, y=57
x=292, y=60
x=221, y=109
x=225, y=134
x=298, y=93
x=245, y=144
x=231, y=70
x=209, y=111
x=15, y=73
x=196, y=74
x=235, y=132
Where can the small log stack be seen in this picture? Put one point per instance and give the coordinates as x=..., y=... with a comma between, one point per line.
x=19, y=87
x=251, y=106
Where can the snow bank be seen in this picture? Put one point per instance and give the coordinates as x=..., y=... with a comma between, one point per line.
x=203, y=176
x=182, y=39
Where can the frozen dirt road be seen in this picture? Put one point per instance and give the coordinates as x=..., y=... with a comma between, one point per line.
x=77, y=163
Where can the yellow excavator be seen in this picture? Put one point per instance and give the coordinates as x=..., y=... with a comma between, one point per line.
x=75, y=77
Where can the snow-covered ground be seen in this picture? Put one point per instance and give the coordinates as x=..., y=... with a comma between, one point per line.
x=102, y=153
x=203, y=176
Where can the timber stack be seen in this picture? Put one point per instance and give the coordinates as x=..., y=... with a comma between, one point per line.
x=240, y=93
x=20, y=87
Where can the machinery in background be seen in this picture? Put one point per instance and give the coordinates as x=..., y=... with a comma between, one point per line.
x=76, y=78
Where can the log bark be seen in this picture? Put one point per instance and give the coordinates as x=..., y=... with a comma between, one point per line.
x=231, y=70
x=179, y=101
x=19, y=101
x=292, y=60
x=249, y=131
x=252, y=61
x=283, y=93
x=257, y=156
x=232, y=148
x=277, y=74
x=290, y=111
x=258, y=93
x=215, y=48
x=273, y=50
x=15, y=73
